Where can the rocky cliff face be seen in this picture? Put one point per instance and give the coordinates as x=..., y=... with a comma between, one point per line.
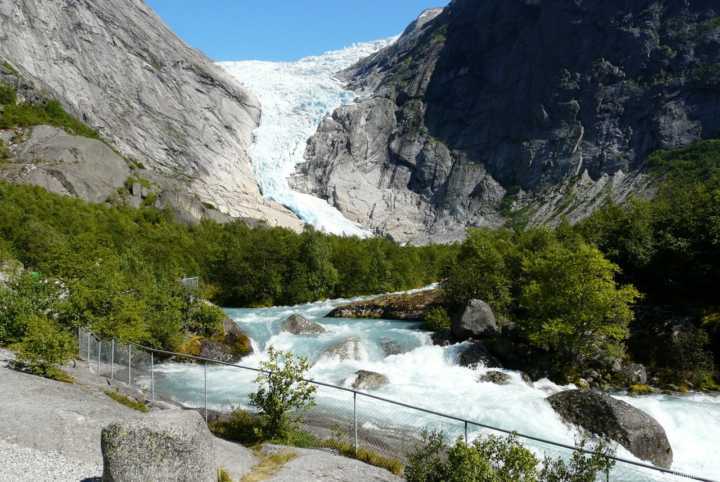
x=517, y=111
x=161, y=104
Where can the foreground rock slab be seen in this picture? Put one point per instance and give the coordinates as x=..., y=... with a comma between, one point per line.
x=166, y=446
x=601, y=414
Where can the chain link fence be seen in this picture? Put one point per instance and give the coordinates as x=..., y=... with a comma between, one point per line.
x=361, y=419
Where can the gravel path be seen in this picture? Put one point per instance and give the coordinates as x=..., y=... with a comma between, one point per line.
x=23, y=464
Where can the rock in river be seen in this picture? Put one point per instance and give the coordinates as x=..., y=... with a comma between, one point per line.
x=367, y=380
x=602, y=414
x=299, y=325
x=478, y=319
x=496, y=377
x=348, y=349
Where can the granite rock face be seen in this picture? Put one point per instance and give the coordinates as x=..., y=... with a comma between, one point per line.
x=66, y=164
x=116, y=66
x=516, y=111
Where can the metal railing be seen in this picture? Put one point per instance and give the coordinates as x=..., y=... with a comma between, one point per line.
x=134, y=364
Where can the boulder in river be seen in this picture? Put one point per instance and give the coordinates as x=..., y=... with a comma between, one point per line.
x=604, y=415
x=299, y=325
x=478, y=354
x=172, y=445
x=477, y=320
x=496, y=377
x=397, y=306
x=390, y=347
x=367, y=380
x=348, y=349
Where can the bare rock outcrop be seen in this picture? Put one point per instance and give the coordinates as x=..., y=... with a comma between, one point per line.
x=117, y=67
x=488, y=113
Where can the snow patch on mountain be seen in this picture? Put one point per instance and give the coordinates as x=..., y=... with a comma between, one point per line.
x=295, y=98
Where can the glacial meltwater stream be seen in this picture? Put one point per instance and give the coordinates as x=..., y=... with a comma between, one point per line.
x=428, y=376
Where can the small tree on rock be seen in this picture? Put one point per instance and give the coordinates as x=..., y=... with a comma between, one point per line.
x=282, y=391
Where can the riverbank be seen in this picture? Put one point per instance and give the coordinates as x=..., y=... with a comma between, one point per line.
x=50, y=431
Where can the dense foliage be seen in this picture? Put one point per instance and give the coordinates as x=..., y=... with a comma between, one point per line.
x=669, y=247
x=495, y=459
x=559, y=290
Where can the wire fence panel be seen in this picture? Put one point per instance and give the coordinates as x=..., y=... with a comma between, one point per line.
x=359, y=419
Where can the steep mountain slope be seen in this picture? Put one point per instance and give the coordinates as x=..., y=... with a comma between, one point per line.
x=161, y=104
x=517, y=111
x=295, y=97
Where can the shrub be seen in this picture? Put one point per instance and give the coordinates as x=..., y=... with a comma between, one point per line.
x=45, y=346
x=223, y=476
x=498, y=459
x=282, y=391
x=7, y=95
x=241, y=426
x=437, y=319
x=206, y=319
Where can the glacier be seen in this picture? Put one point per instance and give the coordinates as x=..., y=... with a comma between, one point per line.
x=295, y=98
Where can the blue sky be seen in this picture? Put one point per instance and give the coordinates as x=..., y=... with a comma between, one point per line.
x=284, y=29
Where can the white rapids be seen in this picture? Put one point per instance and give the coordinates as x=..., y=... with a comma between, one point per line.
x=428, y=376
x=295, y=98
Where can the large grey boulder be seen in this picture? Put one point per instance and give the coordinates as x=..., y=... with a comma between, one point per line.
x=66, y=164
x=348, y=349
x=604, y=415
x=172, y=445
x=477, y=320
x=367, y=380
x=299, y=325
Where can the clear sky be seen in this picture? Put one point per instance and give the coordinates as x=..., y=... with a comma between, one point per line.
x=284, y=29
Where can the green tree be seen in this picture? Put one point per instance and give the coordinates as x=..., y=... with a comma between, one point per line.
x=282, y=391
x=570, y=303
x=482, y=270
x=45, y=346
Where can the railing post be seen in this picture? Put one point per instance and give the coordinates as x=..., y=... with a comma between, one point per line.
x=129, y=364
x=152, y=375
x=112, y=359
x=355, y=422
x=99, y=352
x=205, y=389
x=466, y=432
x=88, y=351
x=79, y=343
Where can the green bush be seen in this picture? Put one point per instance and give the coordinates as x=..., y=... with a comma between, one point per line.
x=437, y=319
x=45, y=346
x=497, y=459
x=282, y=392
x=206, y=319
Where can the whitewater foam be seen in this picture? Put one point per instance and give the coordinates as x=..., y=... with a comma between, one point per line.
x=429, y=376
x=295, y=98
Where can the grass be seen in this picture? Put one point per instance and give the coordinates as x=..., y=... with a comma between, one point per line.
x=246, y=428
x=127, y=401
x=59, y=375
x=4, y=152
x=223, y=476
x=29, y=114
x=269, y=465
x=9, y=68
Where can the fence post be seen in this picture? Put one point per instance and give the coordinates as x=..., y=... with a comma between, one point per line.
x=79, y=343
x=88, y=351
x=99, y=352
x=129, y=364
x=152, y=375
x=355, y=422
x=466, y=432
x=112, y=359
x=205, y=389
